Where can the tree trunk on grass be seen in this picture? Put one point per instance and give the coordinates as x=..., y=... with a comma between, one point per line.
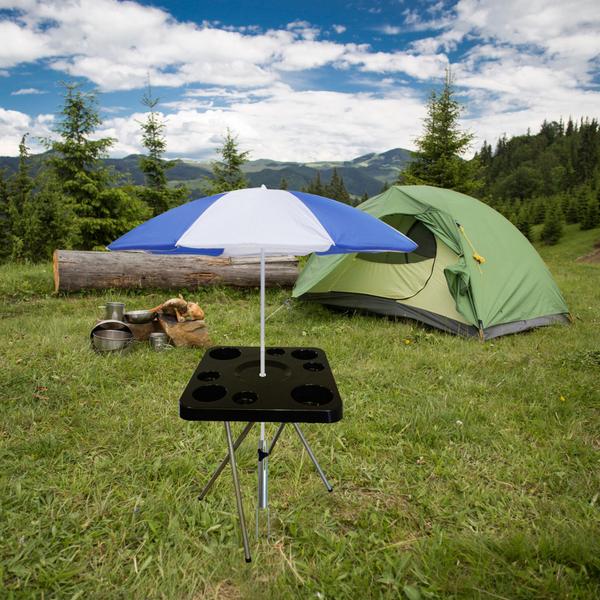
x=76, y=270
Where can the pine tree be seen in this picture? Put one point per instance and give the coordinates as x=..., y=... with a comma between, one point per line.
x=50, y=220
x=571, y=213
x=591, y=215
x=283, y=184
x=84, y=181
x=587, y=151
x=315, y=186
x=552, y=230
x=227, y=173
x=438, y=159
x=5, y=220
x=538, y=213
x=581, y=204
x=364, y=197
x=20, y=187
x=157, y=194
x=336, y=189
x=523, y=223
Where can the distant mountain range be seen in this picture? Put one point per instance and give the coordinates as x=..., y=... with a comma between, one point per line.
x=367, y=173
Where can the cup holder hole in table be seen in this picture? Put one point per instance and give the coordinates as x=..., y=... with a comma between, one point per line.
x=275, y=351
x=245, y=397
x=314, y=366
x=304, y=354
x=312, y=395
x=224, y=353
x=209, y=393
x=208, y=375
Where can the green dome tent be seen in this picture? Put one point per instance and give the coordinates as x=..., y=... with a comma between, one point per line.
x=473, y=274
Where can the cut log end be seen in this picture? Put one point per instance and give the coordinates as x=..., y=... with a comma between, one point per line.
x=55, y=271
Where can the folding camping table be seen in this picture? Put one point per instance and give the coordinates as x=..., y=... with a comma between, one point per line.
x=226, y=386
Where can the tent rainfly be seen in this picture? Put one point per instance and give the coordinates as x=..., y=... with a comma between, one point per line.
x=473, y=274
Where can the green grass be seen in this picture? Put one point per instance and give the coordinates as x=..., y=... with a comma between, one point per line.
x=461, y=469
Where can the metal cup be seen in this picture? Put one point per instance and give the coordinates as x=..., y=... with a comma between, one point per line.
x=159, y=341
x=114, y=311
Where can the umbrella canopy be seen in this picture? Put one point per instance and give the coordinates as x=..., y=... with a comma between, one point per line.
x=251, y=221
x=259, y=221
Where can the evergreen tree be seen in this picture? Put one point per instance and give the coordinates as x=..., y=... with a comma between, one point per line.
x=5, y=220
x=20, y=187
x=364, y=197
x=538, y=213
x=283, y=184
x=76, y=164
x=569, y=130
x=227, y=173
x=336, y=188
x=571, y=213
x=315, y=186
x=553, y=228
x=385, y=187
x=591, y=215
x=523, y=223
x=157, y=194
x=438, y=159
x=582, y=199
x=49, y=222
x=587, y=151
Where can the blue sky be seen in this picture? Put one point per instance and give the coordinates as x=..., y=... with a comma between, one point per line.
x=308, y=80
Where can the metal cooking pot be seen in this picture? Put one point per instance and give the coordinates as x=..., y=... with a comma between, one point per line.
x=114, y=310
x=159, y=340
x=111, y=340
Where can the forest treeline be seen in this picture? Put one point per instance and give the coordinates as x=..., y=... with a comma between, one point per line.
x=75, y=201
x=550, y=177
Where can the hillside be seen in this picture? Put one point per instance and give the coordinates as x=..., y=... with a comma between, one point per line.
x=365, y=173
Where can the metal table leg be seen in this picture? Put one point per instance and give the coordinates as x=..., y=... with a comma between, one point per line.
x=276, y=437
x=224, y=462
x=312, y=457
x=238, y=493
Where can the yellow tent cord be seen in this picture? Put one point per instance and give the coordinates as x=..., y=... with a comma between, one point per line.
x=480, y=260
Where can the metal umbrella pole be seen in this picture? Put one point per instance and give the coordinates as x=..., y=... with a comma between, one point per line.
x=263, y=454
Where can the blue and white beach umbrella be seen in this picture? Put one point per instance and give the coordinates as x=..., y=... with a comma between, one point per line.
x=263, y=222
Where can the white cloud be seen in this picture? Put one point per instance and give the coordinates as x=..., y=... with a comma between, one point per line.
x=419, y=66
x=117, y=45
x=287, y=125
x=390, y=29
x=517, y=63
x=27, y=92
x=20, y=44
x=14, y=124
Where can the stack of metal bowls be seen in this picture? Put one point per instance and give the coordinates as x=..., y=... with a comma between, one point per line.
x=111, y=336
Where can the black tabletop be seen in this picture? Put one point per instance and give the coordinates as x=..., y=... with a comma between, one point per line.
x=299, y=387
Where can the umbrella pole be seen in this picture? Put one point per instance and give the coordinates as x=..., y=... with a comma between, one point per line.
x=263, y=453
x=262, y=313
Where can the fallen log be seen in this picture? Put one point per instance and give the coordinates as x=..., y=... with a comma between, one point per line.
x=78, y=270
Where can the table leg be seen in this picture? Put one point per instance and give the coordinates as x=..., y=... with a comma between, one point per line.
x=276, y=437
x=224, y=462
x=238, y=493
x=312, y=457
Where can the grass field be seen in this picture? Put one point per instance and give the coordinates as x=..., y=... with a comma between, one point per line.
x=461, y=469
